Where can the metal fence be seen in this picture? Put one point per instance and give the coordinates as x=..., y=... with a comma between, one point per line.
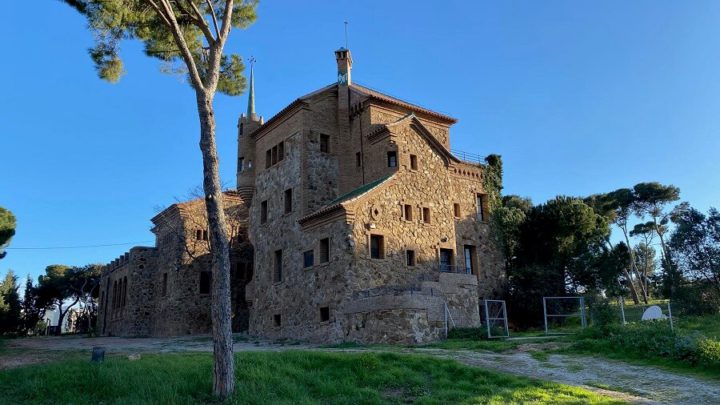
x=564, y=315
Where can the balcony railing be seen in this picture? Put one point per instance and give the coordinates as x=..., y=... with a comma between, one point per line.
x=447, y=268
x=474, y=158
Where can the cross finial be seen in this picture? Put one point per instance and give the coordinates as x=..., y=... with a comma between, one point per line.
x=346, y=35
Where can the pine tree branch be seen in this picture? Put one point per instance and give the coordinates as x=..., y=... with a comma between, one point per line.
x=199, y=20
x=182, y=44
x=159, y=12
x=214, y=17
x=227, y=21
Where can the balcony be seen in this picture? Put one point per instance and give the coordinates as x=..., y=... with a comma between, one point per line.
x=469, y=157
x=447, y=268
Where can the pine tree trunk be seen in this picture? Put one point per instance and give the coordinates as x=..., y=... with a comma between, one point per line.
x=224, y=363
x=633, y=265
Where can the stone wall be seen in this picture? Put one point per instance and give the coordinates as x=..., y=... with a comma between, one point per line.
x=130, y=312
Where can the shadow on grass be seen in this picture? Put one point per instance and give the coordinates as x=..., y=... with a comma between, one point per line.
x=286, y=377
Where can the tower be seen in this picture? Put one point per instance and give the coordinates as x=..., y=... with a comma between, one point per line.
x=344, y=80
x=247, y=124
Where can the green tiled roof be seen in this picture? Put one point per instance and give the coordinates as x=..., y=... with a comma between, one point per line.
x=359, y=191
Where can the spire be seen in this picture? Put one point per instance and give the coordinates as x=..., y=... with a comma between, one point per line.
x=251, y=96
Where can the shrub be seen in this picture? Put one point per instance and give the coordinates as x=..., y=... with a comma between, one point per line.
x=651, y=339
x=467, y=333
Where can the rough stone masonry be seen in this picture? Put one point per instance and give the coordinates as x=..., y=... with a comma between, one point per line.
x=352, y=221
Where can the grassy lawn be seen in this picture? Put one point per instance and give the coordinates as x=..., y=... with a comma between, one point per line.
x=280, y=377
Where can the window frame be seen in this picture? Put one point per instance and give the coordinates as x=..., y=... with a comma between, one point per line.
x=392, y=159
x=413, y=162
x=380, y=248
x=324, y=259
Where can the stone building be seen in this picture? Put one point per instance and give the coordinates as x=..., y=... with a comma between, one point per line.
x=355, y=222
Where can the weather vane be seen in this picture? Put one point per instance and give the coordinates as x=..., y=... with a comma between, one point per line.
x=252, y=61
x=346, y=35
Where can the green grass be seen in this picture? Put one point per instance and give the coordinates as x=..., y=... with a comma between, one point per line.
x=295, y=377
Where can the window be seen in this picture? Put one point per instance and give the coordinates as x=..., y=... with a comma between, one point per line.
x=481, y=200
x=198, y=234
x=325, y=143
x=377, y=246
x=277, y=321
x=205, y=234
x=240, y=164
x=446, y=260
x=358, y=159
x=469, y=253
x=308, y=258
x=324, y=314
x=413, y=162
x=124, y=292
x=205, y=281
x=408, y=212
x=288, y=200
x=324, y=250
x=426, y=215
x=278, y=275
x=456, y=210
x=392, y=159
x=410, y=258
x=164, y=284
x=274, y=155
x=263, y=212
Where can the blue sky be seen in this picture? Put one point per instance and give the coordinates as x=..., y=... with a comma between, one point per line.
x=579, y=97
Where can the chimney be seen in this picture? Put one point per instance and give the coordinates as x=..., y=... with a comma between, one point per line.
x=344, y=63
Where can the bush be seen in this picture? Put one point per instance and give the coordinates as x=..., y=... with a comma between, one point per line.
x=467, y=333
x=651, y=339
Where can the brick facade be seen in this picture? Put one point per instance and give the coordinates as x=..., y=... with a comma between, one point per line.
x=361, y=226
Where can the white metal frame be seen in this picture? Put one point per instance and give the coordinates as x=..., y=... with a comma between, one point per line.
x=583, y=317
x=489, y=319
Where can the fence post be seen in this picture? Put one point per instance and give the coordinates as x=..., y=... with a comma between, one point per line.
x=505, y=315
x=446, y=319
x=545, y=315
x=622, y=309
x=487, y=317
x=670, y=316
x=583, y=321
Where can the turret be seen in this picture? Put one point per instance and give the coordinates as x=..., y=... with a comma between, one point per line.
x=247, y=124
x=344, y=80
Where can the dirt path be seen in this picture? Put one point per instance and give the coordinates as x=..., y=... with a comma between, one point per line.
x=641, y=384
x=637, y=384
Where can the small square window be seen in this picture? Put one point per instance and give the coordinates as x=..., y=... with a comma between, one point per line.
x=392, y=159
x=410, y=258
x=408, y=212
x=263, y=212
x=308, y=259
x=268, y=158
x=358, y=159
x=198, y=234
x=324, y=314
x=281, y=151
x=277, y=320
x=456, y=210
x=274, y=154
x=413, y=162
x=426, y=215
x=324, y=250
x=288, y=200
x=240, y=164
x=164, y=284
x=325, y=143
x=377, y=247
